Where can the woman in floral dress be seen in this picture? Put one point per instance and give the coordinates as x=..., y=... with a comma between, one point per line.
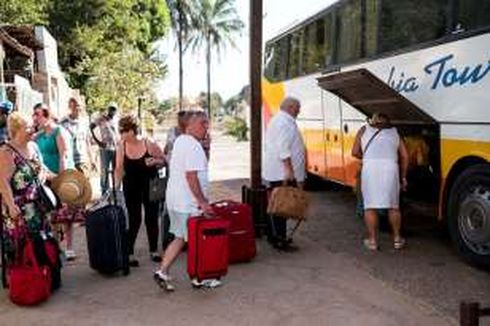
x=21, y=166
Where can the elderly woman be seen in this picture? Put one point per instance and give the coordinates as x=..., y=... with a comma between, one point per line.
x=55, y=145
x=21, y=166
x=137, y=162
x=384, y=169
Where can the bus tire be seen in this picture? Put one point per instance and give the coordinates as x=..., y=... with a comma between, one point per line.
x=469, y=215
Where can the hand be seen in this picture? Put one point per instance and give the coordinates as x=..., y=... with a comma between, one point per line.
x=205, y=207
x=404, y=184
x=288, y=176
x=150, y=161
x=14, y=211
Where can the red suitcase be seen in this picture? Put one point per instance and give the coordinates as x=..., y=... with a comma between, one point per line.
x=242, y=234
x=207, y=252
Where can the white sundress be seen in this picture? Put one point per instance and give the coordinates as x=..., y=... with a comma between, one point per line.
x=380, y=181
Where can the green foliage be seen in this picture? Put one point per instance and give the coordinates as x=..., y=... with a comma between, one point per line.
x=216, y=102
x=236, y=127
x=24, y=12
x=121, y=77
x=104, y=45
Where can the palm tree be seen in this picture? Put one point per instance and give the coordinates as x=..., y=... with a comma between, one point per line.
x=215, y=24
x=181, y=17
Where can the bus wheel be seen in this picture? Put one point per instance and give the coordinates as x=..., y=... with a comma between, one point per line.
x=469, y=215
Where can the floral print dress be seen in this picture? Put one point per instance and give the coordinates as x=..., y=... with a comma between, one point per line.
x=34, y=219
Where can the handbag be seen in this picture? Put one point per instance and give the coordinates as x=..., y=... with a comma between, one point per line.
x=47, y=197
x=29, y=283
x=156, y=188
x=288, y=202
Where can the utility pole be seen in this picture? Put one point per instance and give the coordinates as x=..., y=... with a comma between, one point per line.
x=256, y=195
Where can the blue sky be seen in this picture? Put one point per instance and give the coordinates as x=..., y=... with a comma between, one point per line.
x=230, y=73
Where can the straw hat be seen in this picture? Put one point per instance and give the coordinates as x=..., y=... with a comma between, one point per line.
x=72, y=187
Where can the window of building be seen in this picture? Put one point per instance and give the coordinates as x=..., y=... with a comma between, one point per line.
x=408, y=22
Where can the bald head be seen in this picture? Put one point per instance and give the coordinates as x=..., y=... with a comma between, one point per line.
x=291, y=106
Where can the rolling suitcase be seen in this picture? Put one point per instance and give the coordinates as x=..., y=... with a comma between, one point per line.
x=207, y=253
x=107, y=238
x=242, y=246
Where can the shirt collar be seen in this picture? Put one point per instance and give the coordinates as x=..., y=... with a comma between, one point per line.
x=287, y=116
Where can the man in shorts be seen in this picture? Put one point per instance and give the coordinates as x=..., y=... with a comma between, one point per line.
x=186, y=193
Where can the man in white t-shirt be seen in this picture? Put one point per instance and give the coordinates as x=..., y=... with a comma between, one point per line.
x=187, y=190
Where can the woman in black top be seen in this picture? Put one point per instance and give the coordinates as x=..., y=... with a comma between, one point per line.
x=137, y=162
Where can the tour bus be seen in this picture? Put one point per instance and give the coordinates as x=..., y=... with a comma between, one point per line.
x=426, y=64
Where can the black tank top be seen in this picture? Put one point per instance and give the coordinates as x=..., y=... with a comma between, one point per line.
x=137, y=174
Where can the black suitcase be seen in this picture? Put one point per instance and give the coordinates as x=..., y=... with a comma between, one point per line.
x=107, y=239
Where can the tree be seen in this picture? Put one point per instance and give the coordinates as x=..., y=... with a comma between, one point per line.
x=215, y=26
x=181, y=17
x=120, y=77
x=19, y=12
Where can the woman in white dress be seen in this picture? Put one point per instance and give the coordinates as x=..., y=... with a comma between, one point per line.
x=384, y=169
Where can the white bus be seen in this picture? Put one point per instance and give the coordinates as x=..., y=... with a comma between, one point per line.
x=426, y=63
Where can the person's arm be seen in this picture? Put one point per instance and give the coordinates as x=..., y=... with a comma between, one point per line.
x=6, y=173
x=403, y=161
x=157, y=158
x=63, y=151
x=119, y=171
x=195, y=187
x=356, y=148
x=88, y=148
x=94, y=125
x=284, y=141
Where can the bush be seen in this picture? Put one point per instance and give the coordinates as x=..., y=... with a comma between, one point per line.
x=236, y=127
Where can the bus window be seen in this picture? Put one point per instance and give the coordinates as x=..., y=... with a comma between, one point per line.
x=372, y=12
x=408, y=22
x=349, y=31
x=276, y=60
x=294, y=62
x=473, y=14
x=317, y=45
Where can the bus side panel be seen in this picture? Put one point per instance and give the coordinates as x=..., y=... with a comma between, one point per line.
x=333, y=137
x=352, y=121
x=310, y=121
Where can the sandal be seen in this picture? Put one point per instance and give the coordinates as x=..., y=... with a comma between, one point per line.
x=370, y=244
x=399, y=243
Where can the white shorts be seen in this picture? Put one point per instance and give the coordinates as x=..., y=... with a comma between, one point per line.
x=178, y=224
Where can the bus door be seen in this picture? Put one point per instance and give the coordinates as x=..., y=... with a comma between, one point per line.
x=333, y=137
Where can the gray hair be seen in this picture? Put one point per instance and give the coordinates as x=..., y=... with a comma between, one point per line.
x=288, y=101
x=193, y=116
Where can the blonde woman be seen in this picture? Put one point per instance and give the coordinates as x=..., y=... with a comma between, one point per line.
x=384, y=169
x=21, y=166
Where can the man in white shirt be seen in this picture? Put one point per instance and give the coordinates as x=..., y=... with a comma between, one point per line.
x=186, y=190
x=283, y=161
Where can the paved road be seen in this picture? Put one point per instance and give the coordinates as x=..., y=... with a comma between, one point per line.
x=329, y=281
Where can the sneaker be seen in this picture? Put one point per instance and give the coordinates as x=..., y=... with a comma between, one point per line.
x=70, y=255
x=163, y=280
x=399, y=243
x=195, y=283
x=211, y=284
x=370, y=244
x=155, y=257
x=133, y=262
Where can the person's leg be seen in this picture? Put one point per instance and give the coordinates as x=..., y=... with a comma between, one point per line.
x=171, y=253
x=371, y=220
x=151, y=225
x=70, y=253
x=104, y=166
x=133, y=205
x=396, y=221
